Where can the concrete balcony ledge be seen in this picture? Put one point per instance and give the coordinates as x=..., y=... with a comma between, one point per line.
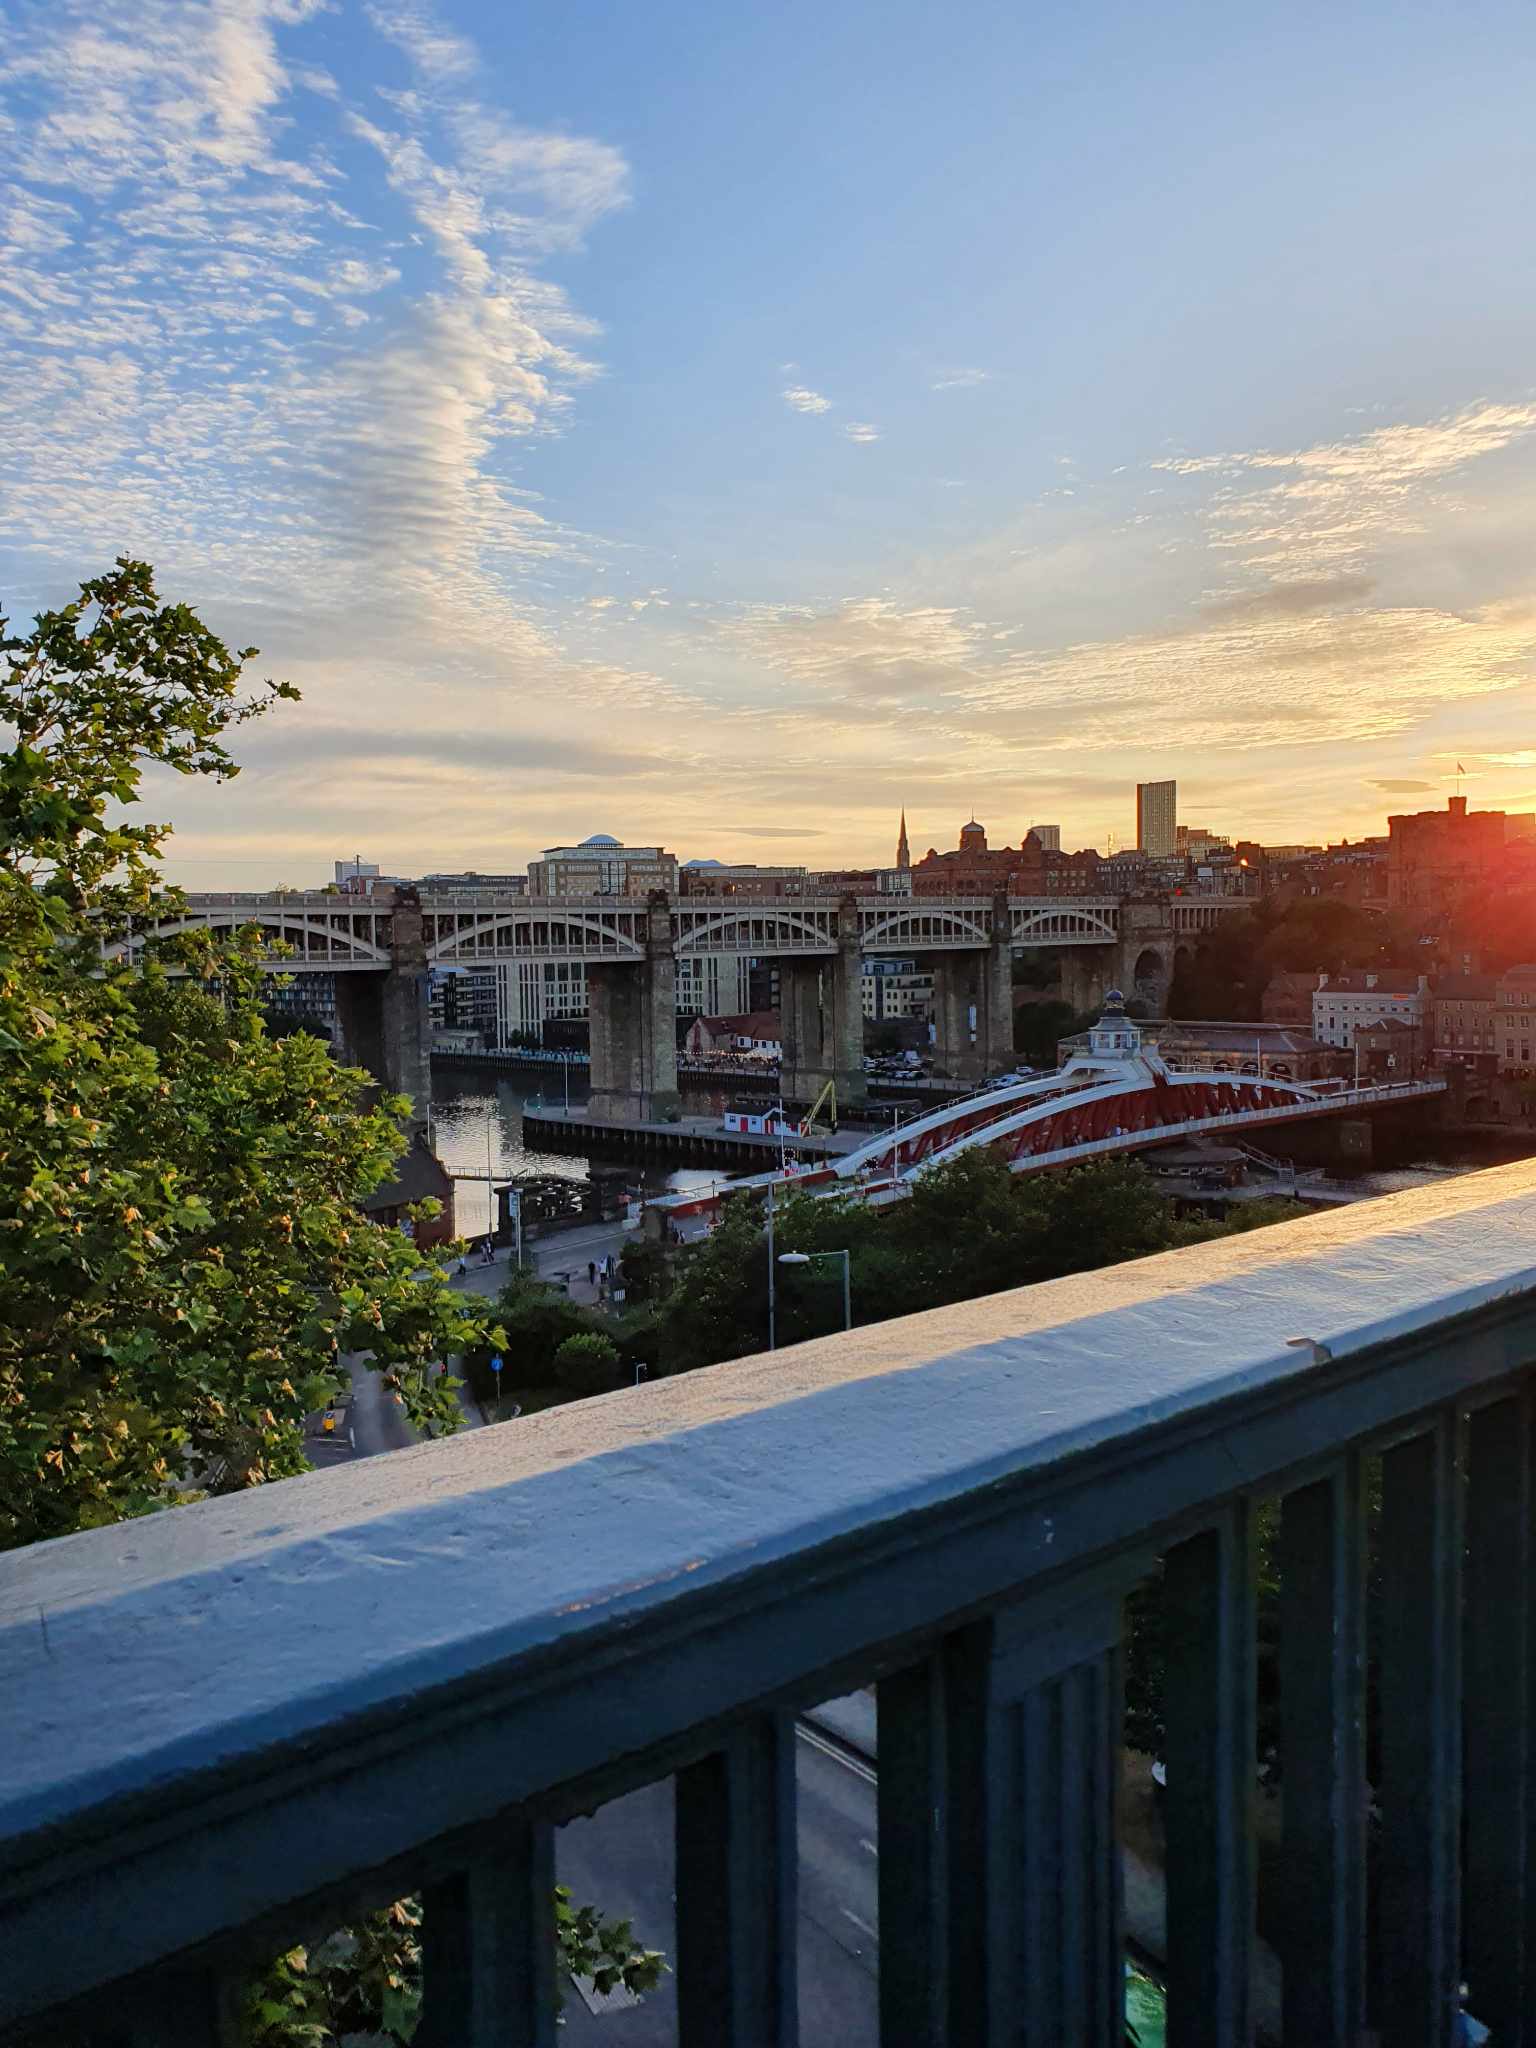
x=209, y=1714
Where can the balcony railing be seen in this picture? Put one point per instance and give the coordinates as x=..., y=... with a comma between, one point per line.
x=230, y=1726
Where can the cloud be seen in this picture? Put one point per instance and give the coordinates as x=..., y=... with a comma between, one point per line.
x=1340, y=499
x=1404, y=788
x=860, y=430
x=800, y=399
x=869, y=646
x=1302, y=676
x=231, y=371
x=1291, y=600
x=960, y=380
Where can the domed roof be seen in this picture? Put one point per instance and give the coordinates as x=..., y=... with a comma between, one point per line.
x=703, y=863
x=600, y=839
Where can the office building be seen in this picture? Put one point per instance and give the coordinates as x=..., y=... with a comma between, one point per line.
x=740, y=879
x=469, y=882
x=1157, y=819
x=600, y=866
x=1049, y=837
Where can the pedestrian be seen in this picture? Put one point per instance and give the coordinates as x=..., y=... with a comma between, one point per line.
x=462, y=1268
x=591, y=1272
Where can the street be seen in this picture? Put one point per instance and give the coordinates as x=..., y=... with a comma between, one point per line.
x=621, y=1861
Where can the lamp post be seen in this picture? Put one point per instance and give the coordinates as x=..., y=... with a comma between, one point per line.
x=805, y=1258
x=770, y=1266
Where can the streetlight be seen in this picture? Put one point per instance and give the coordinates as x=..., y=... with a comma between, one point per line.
x=805, y=1258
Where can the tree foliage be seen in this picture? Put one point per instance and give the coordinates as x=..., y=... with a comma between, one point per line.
x=365, y=1982
x=184, y=1256
x=588, y=1363
x=970, y=1227
x=1233, y=964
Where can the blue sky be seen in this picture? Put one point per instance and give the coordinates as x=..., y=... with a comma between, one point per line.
x=727, y=426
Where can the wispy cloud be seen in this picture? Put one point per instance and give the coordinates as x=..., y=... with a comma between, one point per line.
x=239, y=355
x=861, y=430
x=960, y=380
x=1340, y=499
x=800, y=398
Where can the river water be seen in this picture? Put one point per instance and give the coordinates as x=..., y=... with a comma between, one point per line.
x=477, y=1126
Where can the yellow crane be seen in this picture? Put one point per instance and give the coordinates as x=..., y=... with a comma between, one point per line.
x=828, y=1097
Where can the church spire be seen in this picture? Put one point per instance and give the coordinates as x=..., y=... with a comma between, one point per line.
x=903, y=851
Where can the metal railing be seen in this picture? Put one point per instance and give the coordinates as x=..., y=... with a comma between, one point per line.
x=230, y=1726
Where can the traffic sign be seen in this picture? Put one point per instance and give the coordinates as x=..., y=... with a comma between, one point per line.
x=496, y=1364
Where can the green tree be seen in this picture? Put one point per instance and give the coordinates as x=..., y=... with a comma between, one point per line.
x=183, y=1251
x=588, y=1363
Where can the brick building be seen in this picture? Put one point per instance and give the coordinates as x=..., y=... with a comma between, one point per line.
x=1515, y=1020
x=1464, y=1014
x=1435, y=859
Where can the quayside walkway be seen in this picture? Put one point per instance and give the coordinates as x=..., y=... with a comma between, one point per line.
x=233, y=1725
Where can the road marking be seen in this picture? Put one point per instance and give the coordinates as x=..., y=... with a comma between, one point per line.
x=838, y=1756
x=862, y=1925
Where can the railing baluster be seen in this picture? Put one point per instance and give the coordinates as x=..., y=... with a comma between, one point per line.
x=177, y=2009
x=488, y=1946
x=1496, y=1758
x=1322, y=1710
x=914, y=1910
x=1420, y=1676
x=1209, y=1706
x=735, y=1880
x=999, y=1867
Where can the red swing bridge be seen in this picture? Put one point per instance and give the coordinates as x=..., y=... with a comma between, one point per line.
x=1118, y=1096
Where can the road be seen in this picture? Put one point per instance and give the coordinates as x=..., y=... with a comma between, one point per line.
x=621, y=1860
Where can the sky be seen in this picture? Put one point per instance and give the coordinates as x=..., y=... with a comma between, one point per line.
x=724, y=428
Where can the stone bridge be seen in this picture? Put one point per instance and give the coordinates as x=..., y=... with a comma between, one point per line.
x=381, y=950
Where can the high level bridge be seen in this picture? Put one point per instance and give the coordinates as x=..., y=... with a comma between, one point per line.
x=381, y=949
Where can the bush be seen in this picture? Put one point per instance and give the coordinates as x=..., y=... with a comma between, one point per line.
x=588, y=1363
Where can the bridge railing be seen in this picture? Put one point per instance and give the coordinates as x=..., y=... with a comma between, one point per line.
x=234, y=1726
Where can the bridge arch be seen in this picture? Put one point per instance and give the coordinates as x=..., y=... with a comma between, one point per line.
x=915, y=926
x=1150, y=978
x=509, y=933
x=752, y=927
x=1050, y=927
x=332, y=947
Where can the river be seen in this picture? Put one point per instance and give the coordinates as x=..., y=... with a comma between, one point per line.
x=477, y=1125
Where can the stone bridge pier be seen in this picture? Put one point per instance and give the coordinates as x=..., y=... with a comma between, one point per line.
x=821, y=1019
x=1140, y=963
x=632, y=1019
x=978, y=983
x=383, y=1021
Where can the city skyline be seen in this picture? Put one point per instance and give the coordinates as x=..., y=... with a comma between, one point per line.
x=603, y=458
